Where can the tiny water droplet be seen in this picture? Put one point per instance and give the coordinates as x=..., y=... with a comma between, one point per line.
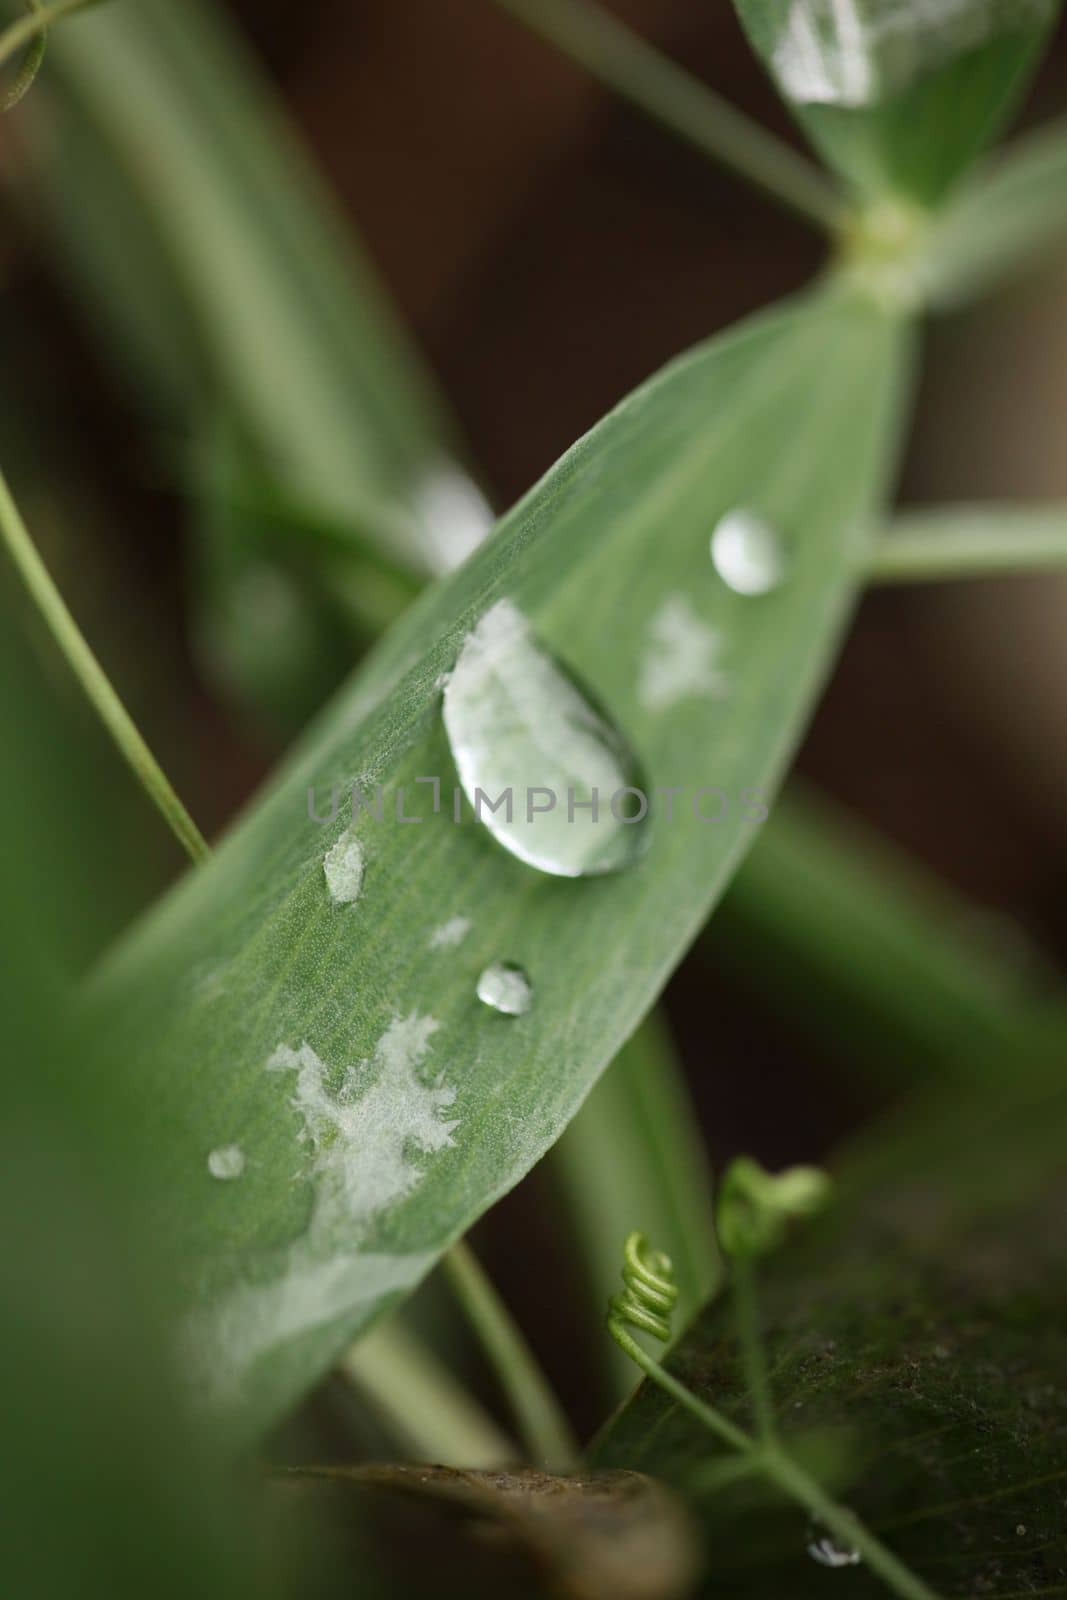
x=829, y=1553
x=1021, y=1529
x=747, y=553
x=226, y=1163
x=343, y=869
x=546, y=773
x=505, y=987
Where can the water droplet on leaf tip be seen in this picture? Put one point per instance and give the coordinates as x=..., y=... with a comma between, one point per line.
x=226, y=1163
x=747, y=553
x=504, y=987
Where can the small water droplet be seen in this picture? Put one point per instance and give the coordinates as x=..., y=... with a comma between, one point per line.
x=505, y=987
x=747, y=553
x=829, y=1553
x=226, y=1163
x=546, y=773
x=1021, y=1529
x=343, y=868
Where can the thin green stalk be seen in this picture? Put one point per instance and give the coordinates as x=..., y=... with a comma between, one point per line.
x=711, y=1419
x=544, y=1429
x=770, y=1458
x=93, y=679
x=630, y=66
x=845, y=1526
x=416, y=1393
x=746, y=1312
x=981, y=541
x=37, y=22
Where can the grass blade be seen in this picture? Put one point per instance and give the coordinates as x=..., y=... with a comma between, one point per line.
x=251, y=963
x=873, y=955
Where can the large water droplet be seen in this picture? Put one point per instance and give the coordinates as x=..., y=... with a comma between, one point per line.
x=226, y=1163
x=548, y=775
x=829, y=1553
x=747, y=553
x=505, y=987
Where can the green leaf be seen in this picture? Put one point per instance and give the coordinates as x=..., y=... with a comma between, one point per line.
x=1007, y=221
x=348, y=1197
x=918, y=1360
x=244, y=290
x=894, y=975
x=107, y=1486
x=899, y=95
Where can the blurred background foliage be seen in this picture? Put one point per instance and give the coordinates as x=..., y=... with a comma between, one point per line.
x=547, y=249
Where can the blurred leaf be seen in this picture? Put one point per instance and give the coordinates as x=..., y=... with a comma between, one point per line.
x=251, y=962
x=105, y=1488
x=634, y=1156
x=614, y=1533
x=1004, y=223
x=894, y=974
x=284, y=328
x=899, y=95
x=923, y=1323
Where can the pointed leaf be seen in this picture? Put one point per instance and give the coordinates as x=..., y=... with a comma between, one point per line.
x=899, y=95
x=379, y=1106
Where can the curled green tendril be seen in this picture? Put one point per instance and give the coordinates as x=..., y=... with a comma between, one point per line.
x=650, y=1291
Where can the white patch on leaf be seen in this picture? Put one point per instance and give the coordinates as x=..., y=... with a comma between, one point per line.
x=450, y=933
x=681, y=657
x=365, y=1140
x=343, y=869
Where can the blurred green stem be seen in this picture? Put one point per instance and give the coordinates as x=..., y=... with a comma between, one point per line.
x=623, y=60
x=418, y=1396
x=23, y=32
x=93, y=679
x=544, y=1428
x=746, y=1313
x=971, y=541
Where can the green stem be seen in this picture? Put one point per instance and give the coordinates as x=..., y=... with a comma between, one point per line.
x=772, y=1460
x=623, y=60
x=545, y=1430
x=746, y=1312
x=92, y=677
x=26, y=29
x=705, y=1414
x=845, y=1526
x=971, y=542
x=416, y=1393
